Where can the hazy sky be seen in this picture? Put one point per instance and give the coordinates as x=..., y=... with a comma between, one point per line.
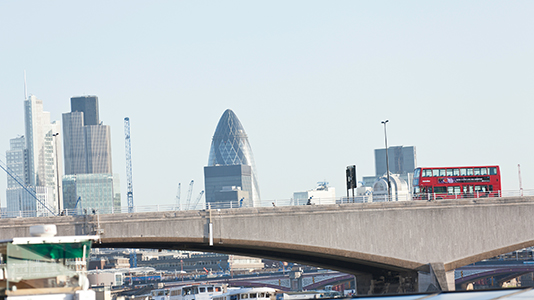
x=310, y=81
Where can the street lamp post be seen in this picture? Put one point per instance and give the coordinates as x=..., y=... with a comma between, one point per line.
x=387, y=159
x=55, y=135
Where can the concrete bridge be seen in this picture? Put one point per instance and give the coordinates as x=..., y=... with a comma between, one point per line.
x=389, y=246
x=499, y=273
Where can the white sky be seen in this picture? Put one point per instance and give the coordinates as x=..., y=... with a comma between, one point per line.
x=310, y=82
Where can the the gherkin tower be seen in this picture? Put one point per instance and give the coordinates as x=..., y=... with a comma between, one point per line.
x=231, y=173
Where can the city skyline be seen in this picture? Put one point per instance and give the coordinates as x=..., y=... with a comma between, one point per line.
x=311, y=81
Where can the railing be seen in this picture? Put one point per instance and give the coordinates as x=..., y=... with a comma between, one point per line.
x=236, y=204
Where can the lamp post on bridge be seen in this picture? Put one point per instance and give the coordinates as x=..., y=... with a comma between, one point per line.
x=387, y=159
x=59, y=206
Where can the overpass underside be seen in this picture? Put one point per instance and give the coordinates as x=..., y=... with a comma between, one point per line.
x=374, y=277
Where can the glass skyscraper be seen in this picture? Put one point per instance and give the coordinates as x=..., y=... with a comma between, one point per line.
x=87, y=146
x=36, y=159
x=231, y=171
x=88, y=168
x=402, y=160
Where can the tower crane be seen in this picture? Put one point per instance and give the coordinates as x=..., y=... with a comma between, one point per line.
x=198, y=199
x=189, y=192
x=178, y=204
x=128, y=145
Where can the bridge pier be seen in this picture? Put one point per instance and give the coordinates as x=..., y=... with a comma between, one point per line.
x=437, y=279
x=386, y=283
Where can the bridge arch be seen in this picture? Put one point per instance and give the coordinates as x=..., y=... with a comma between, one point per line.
x=350, y=262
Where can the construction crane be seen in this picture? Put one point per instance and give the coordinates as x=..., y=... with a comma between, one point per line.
x=20, y=182
x=76, y=205
x=198, y=199
x=189, y=192
x=178, y=204
x=128, y=164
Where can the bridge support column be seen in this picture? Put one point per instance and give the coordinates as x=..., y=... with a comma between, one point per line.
x=437, y=280
x=363, y=284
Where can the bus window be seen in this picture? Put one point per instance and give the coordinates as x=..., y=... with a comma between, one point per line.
x=481, y=188
x=453, y=190
x=426, y=189
x=463, y=172
x=427, y=173
x=469, y=172
x=202, y=290
x=493, y=171
x=455, y=172
x=440, y=189
x=210, y=289
x=449, y=172
x=435, y=172
x=244, y=296
x=483, y=171
x=417, y=173
x=468, y=189
x=442, y=172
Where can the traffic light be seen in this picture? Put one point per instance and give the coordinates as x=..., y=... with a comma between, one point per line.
x=351, y=177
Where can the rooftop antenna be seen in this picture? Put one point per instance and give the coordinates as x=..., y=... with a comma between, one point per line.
x=25, y=88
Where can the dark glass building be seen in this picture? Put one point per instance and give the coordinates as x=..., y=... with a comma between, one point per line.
x=89, y=106
x=231, y=173
x=402, y=160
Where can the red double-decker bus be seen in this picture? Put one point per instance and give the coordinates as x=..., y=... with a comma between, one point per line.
x=456, y=182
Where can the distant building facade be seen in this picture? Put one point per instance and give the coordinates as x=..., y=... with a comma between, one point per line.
x=400, y=189
x=322, y=194
x=87, y=146
x=402, y=161
x=16, y=160
x=89, y=182
x=35, y=158
x=230, y=176
x=88, y=192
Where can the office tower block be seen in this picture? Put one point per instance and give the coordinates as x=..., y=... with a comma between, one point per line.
x=74, y=143
x=98, y=149
x=36, y=159
x=89, y=181
x=89, y=106
x=402, y=160
x=16, y=161
x=231, y=166
x=87, y=146
x=87, y=192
